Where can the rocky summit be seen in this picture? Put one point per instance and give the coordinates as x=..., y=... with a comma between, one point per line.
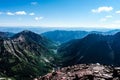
x=84, y=72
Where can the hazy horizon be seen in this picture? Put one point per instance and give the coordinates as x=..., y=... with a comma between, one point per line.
x=60, y=13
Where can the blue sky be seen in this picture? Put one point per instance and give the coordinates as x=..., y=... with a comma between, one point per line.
x=60, y=13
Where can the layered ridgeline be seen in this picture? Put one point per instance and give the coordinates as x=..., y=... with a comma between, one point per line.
x=26, y=55
x=94, y=48
x=62, y=36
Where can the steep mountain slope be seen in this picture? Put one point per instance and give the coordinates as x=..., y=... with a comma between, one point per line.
x=26, y=55
x=94, y=48
x=61, y=36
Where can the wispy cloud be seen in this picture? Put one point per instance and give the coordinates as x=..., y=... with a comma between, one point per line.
x=17, y=13
x=20, y=13
x=118, y=12
x=38, y=18
x=34, y=3
x=10, y=13
x=102, y=9
x=31, y=14
x=106, y=18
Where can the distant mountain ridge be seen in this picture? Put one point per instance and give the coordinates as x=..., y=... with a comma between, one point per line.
x=62, y=36
x=6, y=34
x=40, y=29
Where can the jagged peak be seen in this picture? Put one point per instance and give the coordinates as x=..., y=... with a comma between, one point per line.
x=26, y=32
x=26, y=35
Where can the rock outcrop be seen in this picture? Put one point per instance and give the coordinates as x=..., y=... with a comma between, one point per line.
x=84, y=72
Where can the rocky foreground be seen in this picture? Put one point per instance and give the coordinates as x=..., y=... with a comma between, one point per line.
x=84, y=72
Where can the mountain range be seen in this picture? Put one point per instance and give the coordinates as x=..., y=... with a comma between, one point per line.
x=39, y=30
x=26, y=55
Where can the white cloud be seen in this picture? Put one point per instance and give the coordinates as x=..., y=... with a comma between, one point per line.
x=109, y=16
x=102, y=9
x=38, y=18
x=10, y=13
x=31, y=14
x=34, y=3
x=118, y=12
x=20, y=13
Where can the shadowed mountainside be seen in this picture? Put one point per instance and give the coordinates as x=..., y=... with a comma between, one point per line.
x=94, y=48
